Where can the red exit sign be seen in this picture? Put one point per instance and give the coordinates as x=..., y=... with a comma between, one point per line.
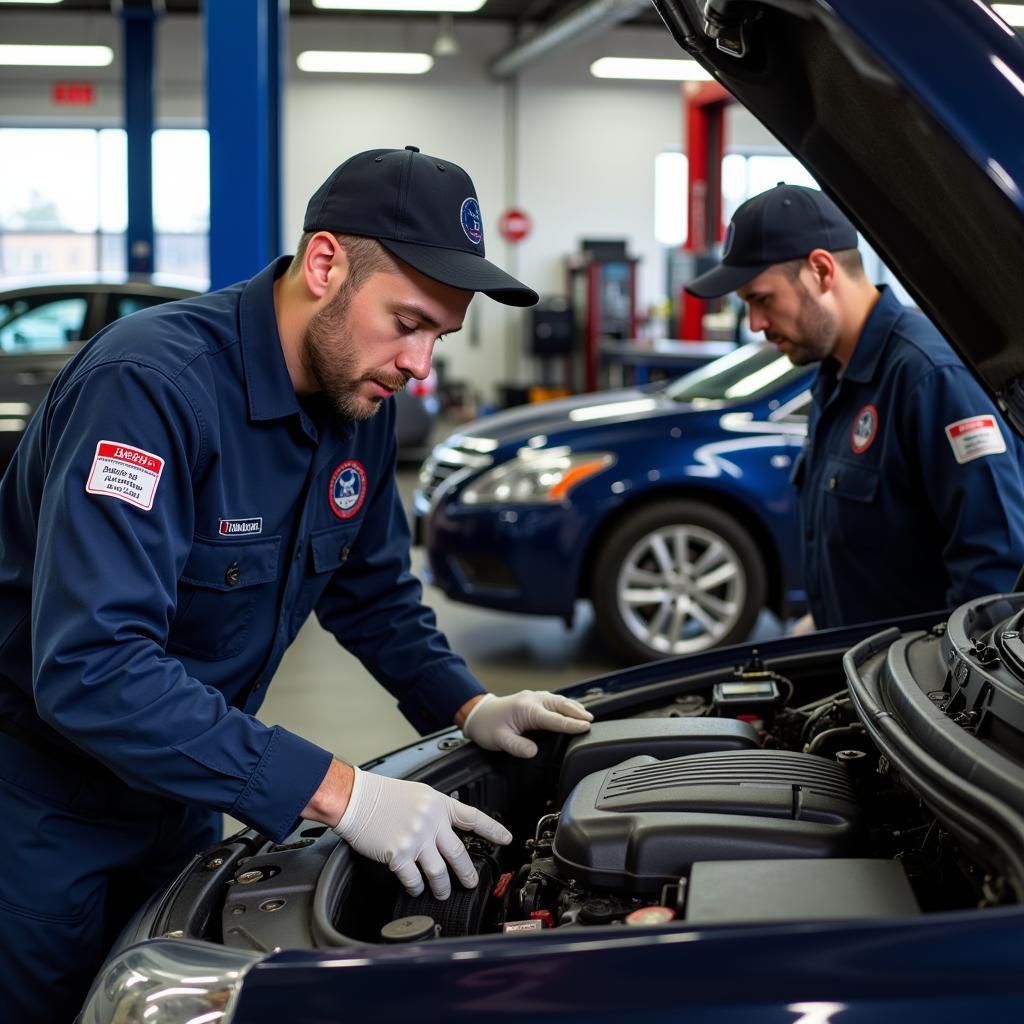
x=73, y=94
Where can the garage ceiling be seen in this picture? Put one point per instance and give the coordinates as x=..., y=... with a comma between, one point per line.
x=527, y=13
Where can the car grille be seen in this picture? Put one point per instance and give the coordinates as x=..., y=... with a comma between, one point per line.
x=456, y=455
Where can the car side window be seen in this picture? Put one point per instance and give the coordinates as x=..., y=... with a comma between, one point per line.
x=125, y=304
x=43, y=327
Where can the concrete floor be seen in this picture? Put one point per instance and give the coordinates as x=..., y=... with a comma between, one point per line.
x=324, y=694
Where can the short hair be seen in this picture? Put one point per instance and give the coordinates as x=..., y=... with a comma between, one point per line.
x=366, y=257
x=848, y=259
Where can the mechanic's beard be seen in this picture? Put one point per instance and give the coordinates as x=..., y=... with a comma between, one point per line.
x=816, y=331
x=329, y=356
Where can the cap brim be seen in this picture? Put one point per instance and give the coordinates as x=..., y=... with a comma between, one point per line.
x=723, y=279
x=463, y=270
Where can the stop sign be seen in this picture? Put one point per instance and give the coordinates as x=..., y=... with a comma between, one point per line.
x=514, y=224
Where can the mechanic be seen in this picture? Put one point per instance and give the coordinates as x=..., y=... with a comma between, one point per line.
x=910, y=490
x=200, y=477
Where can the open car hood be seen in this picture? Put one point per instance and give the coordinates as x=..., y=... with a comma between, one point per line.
x=909, y=116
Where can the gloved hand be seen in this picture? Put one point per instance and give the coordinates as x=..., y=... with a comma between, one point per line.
x=405, y=824
x=498, y=723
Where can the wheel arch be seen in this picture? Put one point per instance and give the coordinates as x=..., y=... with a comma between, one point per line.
x=739, y=510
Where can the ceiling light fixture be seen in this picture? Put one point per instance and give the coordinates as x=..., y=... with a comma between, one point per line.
x=31, y=1
x=409, y=6
x=649, y=69
x=364, y=62
x=445, y=45
x=1012, y=14
x=56, y=56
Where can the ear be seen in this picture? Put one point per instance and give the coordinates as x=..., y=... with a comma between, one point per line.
x=325, y=264
x=823, y=267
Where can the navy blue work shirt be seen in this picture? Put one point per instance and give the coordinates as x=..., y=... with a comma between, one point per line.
x=911, y=494
x=170, y=519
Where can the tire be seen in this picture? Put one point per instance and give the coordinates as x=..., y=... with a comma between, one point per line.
x=641, y=557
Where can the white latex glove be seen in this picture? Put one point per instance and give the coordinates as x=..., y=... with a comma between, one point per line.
x=405, y=824
x=498, y=723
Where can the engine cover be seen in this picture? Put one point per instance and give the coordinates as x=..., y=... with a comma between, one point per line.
x=642, y=824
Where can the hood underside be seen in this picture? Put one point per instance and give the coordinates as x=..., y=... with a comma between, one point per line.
x=909, y=116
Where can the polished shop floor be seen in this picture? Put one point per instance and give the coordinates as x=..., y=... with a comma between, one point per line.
x=323, y=693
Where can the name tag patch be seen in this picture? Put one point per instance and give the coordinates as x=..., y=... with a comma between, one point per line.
x=974, y=437
x=126, y=472
x=241, y=527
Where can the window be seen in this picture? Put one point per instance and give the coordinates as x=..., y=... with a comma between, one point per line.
x=670, y=175
x=64, y=202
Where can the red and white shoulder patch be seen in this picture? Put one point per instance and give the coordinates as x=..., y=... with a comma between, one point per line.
x=126, y=472
x=974, y=437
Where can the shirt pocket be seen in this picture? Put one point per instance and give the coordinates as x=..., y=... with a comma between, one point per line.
x=219, y=590
x=850, y=504
x=331, y=548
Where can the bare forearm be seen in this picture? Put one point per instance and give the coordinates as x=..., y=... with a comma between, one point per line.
x=463, y=713
x=328, y=803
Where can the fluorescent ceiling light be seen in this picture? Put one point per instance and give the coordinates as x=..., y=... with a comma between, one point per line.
x=1012, y=14
x=31, y=1
x=57, y=56
x=360, y=62
x=649, y=68
x=412, y=6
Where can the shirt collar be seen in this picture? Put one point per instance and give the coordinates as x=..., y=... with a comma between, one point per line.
x=268, y=385
x=874, y=337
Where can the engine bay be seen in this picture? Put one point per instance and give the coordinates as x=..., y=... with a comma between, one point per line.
x=843, y=784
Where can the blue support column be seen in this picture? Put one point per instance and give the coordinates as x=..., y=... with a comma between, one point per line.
x=139, y=74
x=244, y=77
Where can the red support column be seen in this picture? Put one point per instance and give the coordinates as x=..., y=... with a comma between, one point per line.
x=705, y=147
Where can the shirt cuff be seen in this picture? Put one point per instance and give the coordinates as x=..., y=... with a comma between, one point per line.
x=438, y=694
x=288, y=774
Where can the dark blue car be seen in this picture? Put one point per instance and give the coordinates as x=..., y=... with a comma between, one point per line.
x=828, y=830
x=670, y=509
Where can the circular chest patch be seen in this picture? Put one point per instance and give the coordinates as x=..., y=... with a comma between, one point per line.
x=348, y=489
x=472, y=220
x=865, y=427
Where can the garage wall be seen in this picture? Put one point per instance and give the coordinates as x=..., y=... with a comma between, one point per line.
x=577, y=153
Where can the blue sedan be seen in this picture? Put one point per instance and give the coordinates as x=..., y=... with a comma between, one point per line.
x=670, y=509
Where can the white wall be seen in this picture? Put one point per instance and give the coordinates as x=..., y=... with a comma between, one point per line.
x=575, y=152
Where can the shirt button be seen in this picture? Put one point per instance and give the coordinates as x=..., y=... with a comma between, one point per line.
x=232, y=575
x=832, y=484
x=345, y=552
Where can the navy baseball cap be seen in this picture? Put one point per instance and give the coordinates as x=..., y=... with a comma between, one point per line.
x=422, y=209
x=784, y=223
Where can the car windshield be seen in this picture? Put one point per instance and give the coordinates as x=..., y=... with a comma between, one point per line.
x=746, y=373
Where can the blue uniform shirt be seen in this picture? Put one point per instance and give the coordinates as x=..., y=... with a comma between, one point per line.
x=910, y=488
x=171, y=518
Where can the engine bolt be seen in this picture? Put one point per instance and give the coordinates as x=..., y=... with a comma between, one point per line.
x=215, y=863
x=248, y=877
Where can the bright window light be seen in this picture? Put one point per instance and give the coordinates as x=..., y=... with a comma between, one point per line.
x=57, y=56
x=364, y=62
x=1012, y=14
x=649, y=68
x=670, y=198
x=414, y=6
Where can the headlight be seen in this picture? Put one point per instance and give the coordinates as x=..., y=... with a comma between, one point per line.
x=169, y=981
x=536, y=477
